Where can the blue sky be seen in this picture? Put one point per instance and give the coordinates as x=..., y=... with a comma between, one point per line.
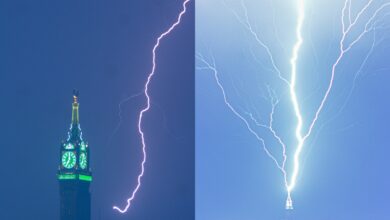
x=103, y=48
x=344, y=170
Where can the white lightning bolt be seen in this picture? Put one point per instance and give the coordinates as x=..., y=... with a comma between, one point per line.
x=343, y=49
x=294, y=100
x=301, y=134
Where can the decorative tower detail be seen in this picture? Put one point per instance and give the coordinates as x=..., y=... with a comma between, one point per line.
x=74, y=174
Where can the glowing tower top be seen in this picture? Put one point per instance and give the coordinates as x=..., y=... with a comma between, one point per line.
x=74, y=173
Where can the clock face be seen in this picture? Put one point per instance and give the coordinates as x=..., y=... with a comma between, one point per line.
x=68, y=159
x=83, y=160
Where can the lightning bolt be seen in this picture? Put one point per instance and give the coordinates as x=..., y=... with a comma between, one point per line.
x=301, y=138
x=301, y=134
x=269, y=127
x=147, y=107
x=294, y=100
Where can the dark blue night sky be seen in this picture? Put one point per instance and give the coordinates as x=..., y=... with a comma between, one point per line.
x=103, y=48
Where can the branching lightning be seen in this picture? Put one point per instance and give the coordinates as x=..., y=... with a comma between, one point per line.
x=147, y=107
x=246, y=23
x=127, y=99
x=343, y=50
x=213, y=68
x=348, y=24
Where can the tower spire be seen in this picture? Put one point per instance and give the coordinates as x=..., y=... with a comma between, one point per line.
x=75, y=107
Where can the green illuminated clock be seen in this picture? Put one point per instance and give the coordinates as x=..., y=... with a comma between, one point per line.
x=83, y=160
x=68, y=159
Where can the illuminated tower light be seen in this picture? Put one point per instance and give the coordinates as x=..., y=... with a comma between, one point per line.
x=289, y=205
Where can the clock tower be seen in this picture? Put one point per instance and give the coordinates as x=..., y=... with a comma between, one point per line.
x=74, y=174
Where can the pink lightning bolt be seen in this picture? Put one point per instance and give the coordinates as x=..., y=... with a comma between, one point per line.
x=144, y=110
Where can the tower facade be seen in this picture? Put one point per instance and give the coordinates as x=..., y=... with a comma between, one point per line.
x=74, y=174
